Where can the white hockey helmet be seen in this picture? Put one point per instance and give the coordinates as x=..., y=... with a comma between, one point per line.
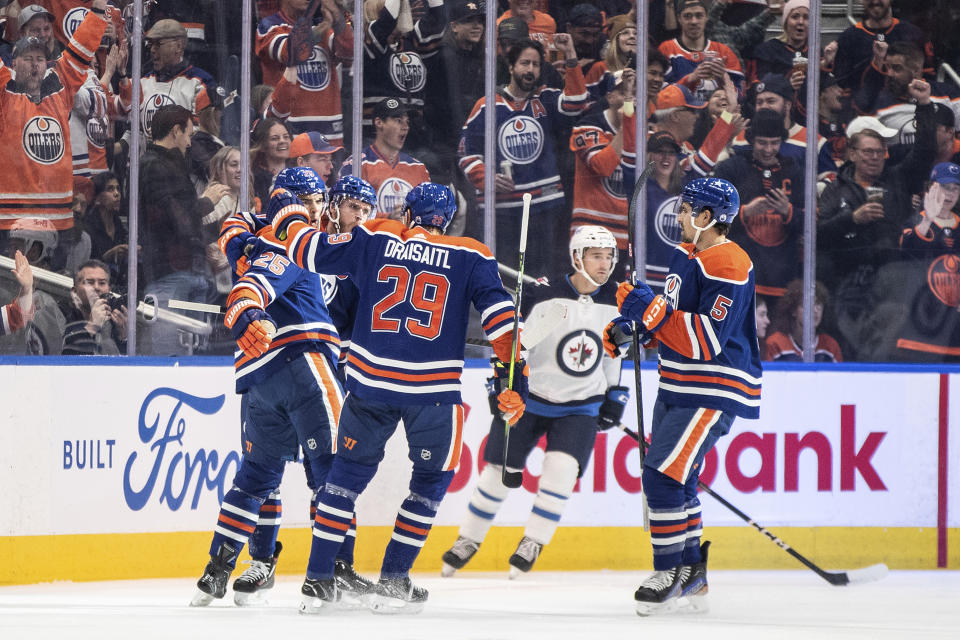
x=590, y=236
x=35, y=230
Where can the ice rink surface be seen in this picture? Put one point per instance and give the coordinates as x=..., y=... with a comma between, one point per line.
x=480, y=606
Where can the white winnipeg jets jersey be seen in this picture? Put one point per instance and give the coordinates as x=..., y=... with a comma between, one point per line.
x=569, y=372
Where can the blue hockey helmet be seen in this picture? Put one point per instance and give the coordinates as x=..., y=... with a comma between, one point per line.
x=716, y=194
x=431, y=205
x=299, y=180
x=350, y=186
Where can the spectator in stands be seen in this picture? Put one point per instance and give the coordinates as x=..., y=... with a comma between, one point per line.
x=716, y=104
x=742, y=36
x=599, y=195
x=309, y=98
x=96, y=317
x=585, y=26
x=855, y=44
x=885, y=92
x=529, y=115
x=762, y=316
x=858, y=230
x=933, y=231
x=172, y=80
x=73, y=244
x=771, y=193
x=173, y=235
x=785, y=54
x=389, y=171
x=269, y=154
x=15, y=315
x=696, y=62
x=510, y=32
x=35, y=239
x=225, y=170
x=621, y=53
x=108, y=233
x=538, y=22
x=35, y=107
x=90, y=127
x=205, y=142
x=785, y=342
x=312, y=150
x=830, y=111
x=36, y=22
x=663, y=190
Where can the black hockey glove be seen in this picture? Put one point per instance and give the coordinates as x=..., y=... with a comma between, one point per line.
x=612, y=407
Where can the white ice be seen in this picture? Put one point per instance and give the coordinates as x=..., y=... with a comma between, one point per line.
x=475, y=606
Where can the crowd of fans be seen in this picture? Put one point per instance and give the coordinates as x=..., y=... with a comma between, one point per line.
x=727, y=87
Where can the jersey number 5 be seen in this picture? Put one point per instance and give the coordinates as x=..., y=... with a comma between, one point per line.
x=720, y=307
x=427, y=295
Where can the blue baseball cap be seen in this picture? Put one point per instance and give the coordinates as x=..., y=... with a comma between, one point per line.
x=946, y=173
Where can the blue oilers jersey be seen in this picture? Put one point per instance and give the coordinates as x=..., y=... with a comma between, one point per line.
x=569, y=371
x=294, y=299
x=414, y=291
x=709, y=353
x=340, y=296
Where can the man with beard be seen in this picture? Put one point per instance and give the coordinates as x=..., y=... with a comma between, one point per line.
x=771, y=188
x=855, y=44
x=885, y=90
x=528, y=119
x=585, y=26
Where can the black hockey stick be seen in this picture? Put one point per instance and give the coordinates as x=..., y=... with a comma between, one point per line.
x=631, y=240
x=836, y=578
x=514, y=479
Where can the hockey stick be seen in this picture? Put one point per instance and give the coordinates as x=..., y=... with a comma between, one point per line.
x=513, y=479
x=836, y=578
x=631, y=259
x=542, y=281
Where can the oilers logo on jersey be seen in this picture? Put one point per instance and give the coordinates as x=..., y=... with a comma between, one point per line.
x=671, y=289
x=391, y=194
x=613, y=184
x=96, y=132
x=150, y=107
x=521, y=139
x=579, y=353
x=71, y=20
x=314, y=74
x=665, y=221
x=43, y=140
x=407, y=72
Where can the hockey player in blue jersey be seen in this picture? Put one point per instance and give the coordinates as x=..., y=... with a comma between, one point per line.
x=415, y=288
x=290, y=399
x=574, y=390
x=710, y=373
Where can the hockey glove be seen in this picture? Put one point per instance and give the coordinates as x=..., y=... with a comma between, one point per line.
x=611, y=409
x=521, y=373
x=511, y=406
x=491, y=386
x=251, y=327
x=283, y=209
x=640, y=304
x=617, y=336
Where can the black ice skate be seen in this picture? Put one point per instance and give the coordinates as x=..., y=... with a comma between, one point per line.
x=396, y=595
x=352, y=586
x=523, y=558
x=249, y=587
x=694, y=586
x=457, y=556
x=318, y=596
x=213, y=583
x=660, y=593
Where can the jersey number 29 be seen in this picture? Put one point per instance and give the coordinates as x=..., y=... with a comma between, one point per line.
x=428, y=295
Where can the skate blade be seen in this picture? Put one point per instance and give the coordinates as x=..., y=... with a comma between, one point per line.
x=316, y=606
x=515, y=572
x=447, y=571
x=696, y=604
x=255, y=599
x=391, y=606
x=645, y=609
x=351, y=601
x=201, y=599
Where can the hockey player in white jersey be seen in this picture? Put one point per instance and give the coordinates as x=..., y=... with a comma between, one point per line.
x=574, y=390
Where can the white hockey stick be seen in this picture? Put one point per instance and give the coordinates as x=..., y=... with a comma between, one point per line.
x=542, y=281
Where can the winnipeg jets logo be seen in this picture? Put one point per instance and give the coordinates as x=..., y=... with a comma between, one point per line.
x=579, y=352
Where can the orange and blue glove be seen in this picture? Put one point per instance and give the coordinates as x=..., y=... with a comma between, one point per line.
x=511, y=401
x=283, y=209
x=640, y=304
x=251, y=327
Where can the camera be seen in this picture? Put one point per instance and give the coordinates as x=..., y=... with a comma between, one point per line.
x=114, y=300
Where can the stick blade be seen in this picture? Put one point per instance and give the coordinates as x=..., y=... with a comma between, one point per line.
x=867, y=574
x=511, y=479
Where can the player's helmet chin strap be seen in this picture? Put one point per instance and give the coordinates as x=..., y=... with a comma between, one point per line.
x=693, y=221
x=334, y=206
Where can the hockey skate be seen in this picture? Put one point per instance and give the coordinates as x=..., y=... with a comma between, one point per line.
x=249, y=588
x=457, y=556
x=213, y=583
x=396, y=595
x=352, y=586
x=523, y=558
x=660, y=593
x=318, y=596
x=694, y=586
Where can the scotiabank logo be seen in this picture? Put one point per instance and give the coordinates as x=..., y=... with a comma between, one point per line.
x=619, y=470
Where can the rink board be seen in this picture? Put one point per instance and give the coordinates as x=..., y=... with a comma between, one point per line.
x=118, y=473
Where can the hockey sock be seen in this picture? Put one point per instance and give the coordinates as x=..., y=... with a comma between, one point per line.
x=484, y=504
x=691, y=546
x=238, y=517
x=557, y=479
x=330, y=527
x=668, y=518
x=345, y=552
x=264, y=538
x=410, y=531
